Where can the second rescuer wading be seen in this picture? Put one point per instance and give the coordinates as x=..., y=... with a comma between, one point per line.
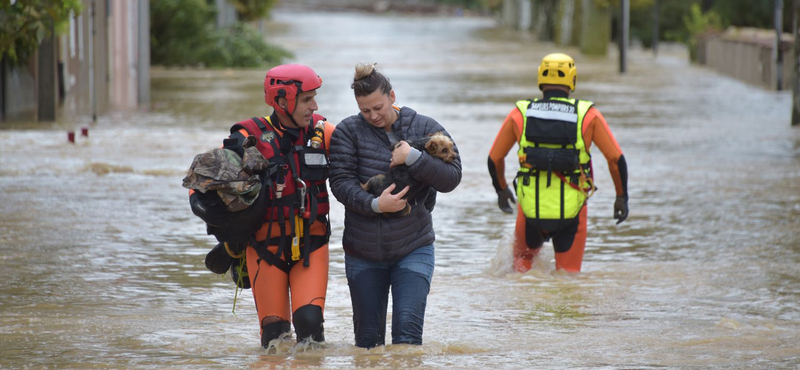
x=554, y=181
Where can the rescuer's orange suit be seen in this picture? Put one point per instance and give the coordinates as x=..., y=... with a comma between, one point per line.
x=569, y=245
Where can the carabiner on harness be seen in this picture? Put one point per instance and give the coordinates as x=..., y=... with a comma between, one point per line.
x=302, y=190
x=298, y=233
x=584, y=180
x=298, y=219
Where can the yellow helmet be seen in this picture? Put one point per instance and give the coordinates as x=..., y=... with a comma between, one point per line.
x=558, y=69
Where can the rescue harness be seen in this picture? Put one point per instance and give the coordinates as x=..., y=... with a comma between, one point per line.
x=296, y=190
x=551, y=144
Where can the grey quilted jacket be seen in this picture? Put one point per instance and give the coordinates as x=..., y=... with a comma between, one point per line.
x=359, y=151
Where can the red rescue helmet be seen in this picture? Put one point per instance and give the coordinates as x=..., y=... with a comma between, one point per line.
x=287, y=81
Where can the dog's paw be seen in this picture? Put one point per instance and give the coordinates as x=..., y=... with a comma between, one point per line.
x=374, y=183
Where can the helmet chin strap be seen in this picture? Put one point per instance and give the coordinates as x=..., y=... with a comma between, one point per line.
x=291, y=117
x=286, y=112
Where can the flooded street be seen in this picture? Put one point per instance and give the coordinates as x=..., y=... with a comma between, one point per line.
x=102, y=259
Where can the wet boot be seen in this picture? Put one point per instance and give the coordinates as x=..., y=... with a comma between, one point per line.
x=273, y=330
x=308, y=323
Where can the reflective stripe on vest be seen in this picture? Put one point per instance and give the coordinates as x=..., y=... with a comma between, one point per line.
x=543, y=192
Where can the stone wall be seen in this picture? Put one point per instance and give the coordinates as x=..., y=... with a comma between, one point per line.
x=747, y=55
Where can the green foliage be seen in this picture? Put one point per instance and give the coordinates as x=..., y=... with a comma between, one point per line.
x=252, y=10
x=178, y=29
x=634, y=4
x=683, y=20
x=492, y=5
x=670, y=24
x=694, y=24
x=240, y=46
x=24, y=24
x=747, y=13
x=183, y=33
x=697, y=24
x=473, y=4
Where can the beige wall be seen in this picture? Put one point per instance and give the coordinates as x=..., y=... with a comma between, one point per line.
x=747, y=55
x=86, y=55
x=100, y=69
x=19, y=92
x=123, y=43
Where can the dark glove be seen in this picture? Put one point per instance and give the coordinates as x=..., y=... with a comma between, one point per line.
x=621, y=209
x=503, y=197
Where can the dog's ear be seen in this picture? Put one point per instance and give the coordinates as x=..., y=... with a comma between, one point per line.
x=432, y=148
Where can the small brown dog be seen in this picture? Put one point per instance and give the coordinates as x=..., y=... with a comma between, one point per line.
x=437, y=144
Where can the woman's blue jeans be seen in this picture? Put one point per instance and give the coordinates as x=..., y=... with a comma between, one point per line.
x=369, y=282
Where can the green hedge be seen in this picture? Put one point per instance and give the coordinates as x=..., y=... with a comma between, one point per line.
x=184, y=33
x=683, y=20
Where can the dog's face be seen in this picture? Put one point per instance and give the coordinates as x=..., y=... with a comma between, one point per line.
x=440, y=146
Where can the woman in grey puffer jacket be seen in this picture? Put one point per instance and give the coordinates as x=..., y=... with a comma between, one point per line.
x=383, y=252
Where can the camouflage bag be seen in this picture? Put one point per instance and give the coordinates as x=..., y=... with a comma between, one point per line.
x=230, y=194
x=234, y=178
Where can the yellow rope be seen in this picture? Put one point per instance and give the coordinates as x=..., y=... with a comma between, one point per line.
x=228, y=249
x=235, y=295
x=238, y=281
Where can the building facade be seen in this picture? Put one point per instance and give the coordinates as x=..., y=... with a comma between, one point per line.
x=101, y=62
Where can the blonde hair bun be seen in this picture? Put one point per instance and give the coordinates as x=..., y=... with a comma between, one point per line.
x=364, y=70
x=368, y=79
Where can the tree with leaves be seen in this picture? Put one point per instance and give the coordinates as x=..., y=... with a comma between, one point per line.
x=24, y=24
x=252, y=10
x=183, y=33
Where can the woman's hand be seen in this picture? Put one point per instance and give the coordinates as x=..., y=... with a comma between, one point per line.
x=400, y=153
x=389, y=202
